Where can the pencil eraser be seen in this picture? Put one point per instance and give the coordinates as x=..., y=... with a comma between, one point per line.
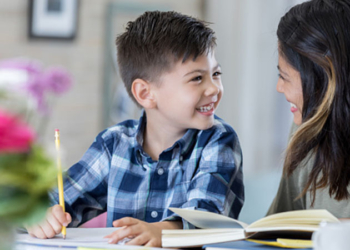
x=57, y=130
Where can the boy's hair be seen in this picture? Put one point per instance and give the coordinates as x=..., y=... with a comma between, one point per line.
x=156, y=40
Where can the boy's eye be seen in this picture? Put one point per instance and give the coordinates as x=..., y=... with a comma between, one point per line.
x=196, y=79
x=217, y=73
x=280, y=76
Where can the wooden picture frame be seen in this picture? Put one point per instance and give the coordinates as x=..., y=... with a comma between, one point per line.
x=53, y=19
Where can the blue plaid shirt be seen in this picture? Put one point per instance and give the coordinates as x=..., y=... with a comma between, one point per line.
x=202, y=170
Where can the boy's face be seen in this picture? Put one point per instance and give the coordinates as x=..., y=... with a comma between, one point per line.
x=189, y=94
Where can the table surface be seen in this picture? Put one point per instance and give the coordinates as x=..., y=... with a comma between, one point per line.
x=236, y=245
x=92, y=238
x=119, y=247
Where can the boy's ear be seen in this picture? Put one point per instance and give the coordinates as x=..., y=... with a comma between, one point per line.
x=141, y=90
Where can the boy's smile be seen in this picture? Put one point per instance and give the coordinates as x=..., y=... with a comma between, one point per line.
x=207, y=109
x=188, y=95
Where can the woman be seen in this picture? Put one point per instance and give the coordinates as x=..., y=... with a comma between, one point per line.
x=314, y=66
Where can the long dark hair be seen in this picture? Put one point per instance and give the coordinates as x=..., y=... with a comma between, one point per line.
x=314, y=38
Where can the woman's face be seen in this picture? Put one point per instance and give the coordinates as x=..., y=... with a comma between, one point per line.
x=289, y=83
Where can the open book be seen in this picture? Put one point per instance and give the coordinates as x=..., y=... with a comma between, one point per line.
x=216, y=228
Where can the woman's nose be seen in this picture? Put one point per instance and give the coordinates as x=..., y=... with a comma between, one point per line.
x=279, y=86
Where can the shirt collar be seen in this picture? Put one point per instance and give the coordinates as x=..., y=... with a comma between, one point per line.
x=184, y=143
x=141, y=130
x=187, y=140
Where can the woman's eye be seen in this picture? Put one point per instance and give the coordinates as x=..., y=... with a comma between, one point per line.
x=280, y=76
x=218, y=73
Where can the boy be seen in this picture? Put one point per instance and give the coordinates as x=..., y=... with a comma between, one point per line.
x=177, y=155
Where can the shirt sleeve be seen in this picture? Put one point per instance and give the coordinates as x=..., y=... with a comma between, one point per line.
x=217, y=183
x=85, y=183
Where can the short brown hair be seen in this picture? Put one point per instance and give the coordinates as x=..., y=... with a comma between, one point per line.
x=156, y=40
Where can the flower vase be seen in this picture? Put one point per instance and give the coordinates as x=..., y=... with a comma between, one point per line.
x=7, y=236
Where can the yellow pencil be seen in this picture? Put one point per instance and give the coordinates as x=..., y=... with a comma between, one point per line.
x=59, y=176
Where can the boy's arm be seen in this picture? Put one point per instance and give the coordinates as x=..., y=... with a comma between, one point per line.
x=217, y=184
x=85, y=185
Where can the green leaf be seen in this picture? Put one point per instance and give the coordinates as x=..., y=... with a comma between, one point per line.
x=24, y=185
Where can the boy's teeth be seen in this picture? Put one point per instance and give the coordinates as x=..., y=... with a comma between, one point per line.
x=206, y=108
x=293, y=105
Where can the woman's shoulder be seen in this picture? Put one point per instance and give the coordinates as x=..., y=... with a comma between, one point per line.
x=340, y=209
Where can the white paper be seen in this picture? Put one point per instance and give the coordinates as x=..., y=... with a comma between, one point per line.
x=82, y=237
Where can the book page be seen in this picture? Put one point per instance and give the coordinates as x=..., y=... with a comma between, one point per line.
x=189, y=232
x=286, y=243
x=202, y=219
x=277, y=229
x=200, y=237
x=298, y=219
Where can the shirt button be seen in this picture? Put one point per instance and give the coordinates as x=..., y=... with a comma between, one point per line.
x=160, y=171
x=154, y=214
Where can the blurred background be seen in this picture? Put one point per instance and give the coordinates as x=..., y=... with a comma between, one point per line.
x=79, y=37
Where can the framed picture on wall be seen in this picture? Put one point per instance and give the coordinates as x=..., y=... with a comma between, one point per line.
x=56, y=19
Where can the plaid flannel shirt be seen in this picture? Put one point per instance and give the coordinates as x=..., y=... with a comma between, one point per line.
x=202, y=170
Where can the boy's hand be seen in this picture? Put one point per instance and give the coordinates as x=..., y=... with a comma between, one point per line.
x=140, y=232
x=52, y=224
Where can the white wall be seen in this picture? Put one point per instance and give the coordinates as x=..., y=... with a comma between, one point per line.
x=247, y=51
x=78, y=114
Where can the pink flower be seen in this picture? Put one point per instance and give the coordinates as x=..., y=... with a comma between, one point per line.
x=40, y=83
x=15, y=136
x=36, y=87
x=30, y=66
x=57, y=80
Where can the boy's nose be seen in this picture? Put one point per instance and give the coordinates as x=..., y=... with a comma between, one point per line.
x=213, y=89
